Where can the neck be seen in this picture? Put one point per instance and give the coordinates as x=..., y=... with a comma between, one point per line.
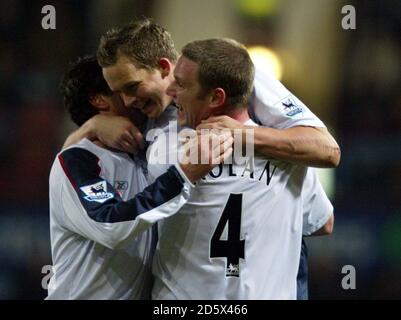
x=239, y=113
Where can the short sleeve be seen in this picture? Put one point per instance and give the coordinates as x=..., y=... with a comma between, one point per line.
x=317, y=208
x=273, y=105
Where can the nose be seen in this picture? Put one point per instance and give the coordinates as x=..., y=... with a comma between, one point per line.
x=128, y=100
x=171, y=90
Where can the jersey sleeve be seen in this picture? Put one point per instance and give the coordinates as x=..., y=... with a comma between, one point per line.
x=273, y=105
x=317, y=208
x=94, y=209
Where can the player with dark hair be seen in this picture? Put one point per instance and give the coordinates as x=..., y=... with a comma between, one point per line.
x=101, y=216
x=81, y=83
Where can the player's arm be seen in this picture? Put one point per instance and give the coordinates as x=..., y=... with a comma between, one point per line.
x=294, y=133
x=290, y=131
x=113, y=131
x=318, y=216
x=94, y=209
x=327, y=228
x=309, y=146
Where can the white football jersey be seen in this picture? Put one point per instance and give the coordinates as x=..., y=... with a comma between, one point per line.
x=100, y=223
x=238, y=236
x=317, y=207
x=273, y=105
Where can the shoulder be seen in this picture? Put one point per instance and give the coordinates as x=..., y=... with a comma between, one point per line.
x=77, y=155
x=266, y=84
x=78, y=164
x=85, y=154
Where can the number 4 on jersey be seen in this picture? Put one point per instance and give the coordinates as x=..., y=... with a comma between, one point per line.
x=233, y=248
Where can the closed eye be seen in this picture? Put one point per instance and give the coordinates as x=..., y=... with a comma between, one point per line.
x=131, y=88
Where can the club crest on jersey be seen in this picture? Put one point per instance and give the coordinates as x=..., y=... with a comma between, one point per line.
x=290, y=107
x=232, y=270
x=97, y=192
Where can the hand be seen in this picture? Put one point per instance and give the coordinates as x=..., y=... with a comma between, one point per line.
x=242, y=134
x=117, y=132
x=203, y=152
x=220, y=122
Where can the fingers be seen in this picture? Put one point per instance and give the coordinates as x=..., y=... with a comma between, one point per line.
x=226, y=142
x=207, y=148
x=210, y=126
x=226, y=156
x=214, y=119
x=118, y=132
x=138, y=137
x=131, y=141
x=215, y=145
x=221, y=140
x=123, y=147
x=127, y=143
x=219, y=123
x=130, y=147
x=216, y=122
x=128, y=137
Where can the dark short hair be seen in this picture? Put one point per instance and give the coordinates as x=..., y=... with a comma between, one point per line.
x=82, y=80
x=143, y=42
x=223, y=63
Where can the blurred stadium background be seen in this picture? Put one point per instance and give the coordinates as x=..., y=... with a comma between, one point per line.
x=350, y=78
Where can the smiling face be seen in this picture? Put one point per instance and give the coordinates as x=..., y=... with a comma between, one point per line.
x=139, y=87
x=193, y=104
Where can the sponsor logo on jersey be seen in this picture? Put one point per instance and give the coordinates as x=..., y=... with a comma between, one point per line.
x=290, y=107
x=97, y=192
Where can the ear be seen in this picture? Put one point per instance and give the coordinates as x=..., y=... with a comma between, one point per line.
x=165, y=67
x=217, y=98
x=99, y=102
